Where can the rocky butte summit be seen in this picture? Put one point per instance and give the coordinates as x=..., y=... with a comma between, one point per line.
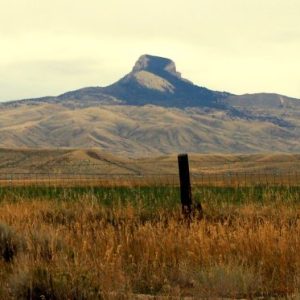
x=154, y=110
x=155, y=80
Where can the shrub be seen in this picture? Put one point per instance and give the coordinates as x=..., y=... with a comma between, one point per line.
x=10, y=243
x=41, y=283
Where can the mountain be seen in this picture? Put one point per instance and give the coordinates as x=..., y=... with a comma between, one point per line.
x=153, y=80
x=153, y=110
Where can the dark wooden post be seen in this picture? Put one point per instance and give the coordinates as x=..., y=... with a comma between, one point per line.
x=185, y=185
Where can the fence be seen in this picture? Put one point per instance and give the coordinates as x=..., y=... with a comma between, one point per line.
x=203, y=173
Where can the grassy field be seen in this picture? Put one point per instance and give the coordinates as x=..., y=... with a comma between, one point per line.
x=122, y=243
x=89, y=167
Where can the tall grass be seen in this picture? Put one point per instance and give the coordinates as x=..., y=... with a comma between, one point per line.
x=114, y=243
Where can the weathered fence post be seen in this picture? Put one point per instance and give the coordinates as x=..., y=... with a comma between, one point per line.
x=185, y=185
x=189, y=209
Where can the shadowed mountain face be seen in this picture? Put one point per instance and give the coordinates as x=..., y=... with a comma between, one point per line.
x=154, y=80
x=153, y=110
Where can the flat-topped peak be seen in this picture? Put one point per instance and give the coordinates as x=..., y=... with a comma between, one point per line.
x=156, y=65
x=155, y=80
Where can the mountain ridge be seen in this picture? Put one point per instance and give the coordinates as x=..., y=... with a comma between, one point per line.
x=155, y=80
x=153, y=110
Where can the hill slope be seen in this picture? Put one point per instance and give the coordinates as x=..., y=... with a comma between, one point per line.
x=135, y=130
x=92, y=161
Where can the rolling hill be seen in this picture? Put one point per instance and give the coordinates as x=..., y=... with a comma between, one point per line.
x=95, y=162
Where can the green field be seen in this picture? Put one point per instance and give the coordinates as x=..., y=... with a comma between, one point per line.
x=154, y=197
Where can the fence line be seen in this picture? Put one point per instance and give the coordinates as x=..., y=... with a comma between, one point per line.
x=204, y=172
x=128, y=179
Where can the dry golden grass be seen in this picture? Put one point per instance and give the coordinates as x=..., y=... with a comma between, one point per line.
x=83, y=250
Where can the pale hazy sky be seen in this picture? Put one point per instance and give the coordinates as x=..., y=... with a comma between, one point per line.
x=48, y=47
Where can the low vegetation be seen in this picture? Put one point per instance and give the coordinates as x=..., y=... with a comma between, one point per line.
x=121, y=243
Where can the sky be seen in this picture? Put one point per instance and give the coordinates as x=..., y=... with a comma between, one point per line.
x=48, y=47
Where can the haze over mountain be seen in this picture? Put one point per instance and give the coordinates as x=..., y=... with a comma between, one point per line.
x=153, y=110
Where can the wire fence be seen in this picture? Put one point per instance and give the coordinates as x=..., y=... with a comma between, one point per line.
x=69, y=179
x=44, y=170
